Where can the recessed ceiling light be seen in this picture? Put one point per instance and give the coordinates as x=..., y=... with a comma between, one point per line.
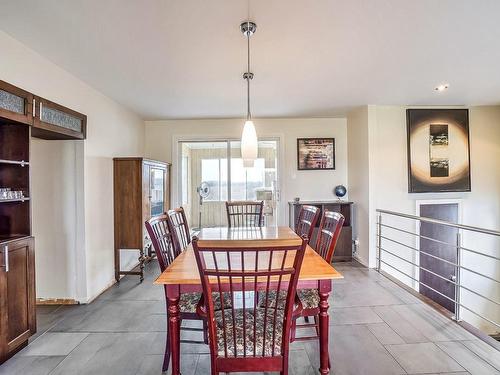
x=442, y=87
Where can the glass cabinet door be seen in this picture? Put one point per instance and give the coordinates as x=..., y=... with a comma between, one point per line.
x=15, y=104
x=157, y=191
x=54, y=121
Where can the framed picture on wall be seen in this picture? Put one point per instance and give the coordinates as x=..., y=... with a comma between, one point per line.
x=315, y=153
x=438, y=150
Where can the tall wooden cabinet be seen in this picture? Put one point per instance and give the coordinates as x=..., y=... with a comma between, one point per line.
x=22, y=115
x=141, y=190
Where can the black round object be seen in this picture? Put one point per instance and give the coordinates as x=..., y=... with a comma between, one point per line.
x=340, y=191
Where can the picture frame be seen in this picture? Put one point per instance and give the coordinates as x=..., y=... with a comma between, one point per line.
x=438, y=148
x=315, y=154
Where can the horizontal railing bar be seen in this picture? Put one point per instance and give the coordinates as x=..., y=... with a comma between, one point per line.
x=444, y=260
x=421, y=251
x=482, y=317
x=442, y=277
x=421, y=283
x=434, y=290
x=441, y=222
x=441, y=242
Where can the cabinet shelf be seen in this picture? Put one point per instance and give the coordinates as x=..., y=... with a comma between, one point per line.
x=22, y=163
x=14, y=200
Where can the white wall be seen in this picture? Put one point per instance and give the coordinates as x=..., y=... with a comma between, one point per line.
x=112, y=130
x=389, y=190
x=161, y=137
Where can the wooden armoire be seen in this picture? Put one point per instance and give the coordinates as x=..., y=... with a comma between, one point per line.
x=141, y=190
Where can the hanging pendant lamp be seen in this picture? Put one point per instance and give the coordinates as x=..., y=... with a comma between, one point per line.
x=249, y=145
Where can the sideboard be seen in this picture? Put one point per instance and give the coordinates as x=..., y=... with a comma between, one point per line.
x=343, y=251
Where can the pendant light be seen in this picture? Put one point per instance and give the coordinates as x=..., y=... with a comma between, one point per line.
x=249, y=145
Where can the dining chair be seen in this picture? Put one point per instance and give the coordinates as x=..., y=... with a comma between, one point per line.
x=180, y=229
x=161, y=230
x=328, y=235
x=308, y=217
x=248, y=337
x=245, y=213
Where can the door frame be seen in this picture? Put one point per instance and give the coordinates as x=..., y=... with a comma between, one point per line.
x=177, y=171
x=418, y=203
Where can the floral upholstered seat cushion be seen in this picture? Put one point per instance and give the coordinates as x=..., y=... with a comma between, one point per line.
x=309, y=298
x=269, y=299
x=236, y=334
x=189, y=301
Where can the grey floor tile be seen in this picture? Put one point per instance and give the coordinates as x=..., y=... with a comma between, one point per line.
x=400, y=325
x=114, y=316
x=433, y=326
x=353, y=315
x=20, y=365
x=354, y=350
x=54, y=344
x=385, y=334
x=423, y=358
x=485, y=351
x=107, y=353
x=467, y=359
x=371, y=294
x=152, y=365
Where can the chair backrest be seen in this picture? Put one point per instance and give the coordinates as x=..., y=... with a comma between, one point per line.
x=308, y=216
x=246, y=329
x=245, y=213
x=161, y=239
x=180, y=229
x=328, y=234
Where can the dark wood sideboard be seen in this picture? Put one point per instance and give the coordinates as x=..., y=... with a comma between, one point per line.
x=23, y=115
x=343, y=251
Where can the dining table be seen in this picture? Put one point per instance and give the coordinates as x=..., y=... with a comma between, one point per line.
x=182, y=276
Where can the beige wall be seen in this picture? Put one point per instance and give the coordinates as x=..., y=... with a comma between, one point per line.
x=388, y=189
x=112, y=131
x=162, y=136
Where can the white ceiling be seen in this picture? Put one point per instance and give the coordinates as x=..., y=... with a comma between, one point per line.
x=184, y=58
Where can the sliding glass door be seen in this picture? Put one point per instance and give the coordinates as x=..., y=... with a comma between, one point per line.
x=208, y=180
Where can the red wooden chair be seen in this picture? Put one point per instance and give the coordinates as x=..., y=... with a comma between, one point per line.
x=180, y=229
x=328, y=235
x=308, y=217
x=248, y=337
x=160, y=231
x=245, y=213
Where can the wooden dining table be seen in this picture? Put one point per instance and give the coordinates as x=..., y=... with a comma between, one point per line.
x=182, y=276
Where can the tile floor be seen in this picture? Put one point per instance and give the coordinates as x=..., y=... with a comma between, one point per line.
x=376, y=328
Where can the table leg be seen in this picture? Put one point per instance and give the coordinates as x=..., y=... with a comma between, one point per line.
x=324, y=357
x=174, y=327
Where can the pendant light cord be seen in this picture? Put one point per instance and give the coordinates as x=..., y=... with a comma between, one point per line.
x=249, y=115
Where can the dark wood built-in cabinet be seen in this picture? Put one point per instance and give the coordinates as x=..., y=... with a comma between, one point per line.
x=141, y=190
x=23, y=115
x=48, y=119
x=343, y=250
x=17, y=295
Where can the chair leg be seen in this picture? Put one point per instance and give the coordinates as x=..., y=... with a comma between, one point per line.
x=316, y=321
x=166, y=358
x=205, y=333
x=293, y=330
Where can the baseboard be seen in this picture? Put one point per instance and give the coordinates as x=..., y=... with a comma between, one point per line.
x=56, y=301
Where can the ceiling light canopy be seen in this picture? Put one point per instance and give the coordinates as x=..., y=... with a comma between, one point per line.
x=442, y=87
